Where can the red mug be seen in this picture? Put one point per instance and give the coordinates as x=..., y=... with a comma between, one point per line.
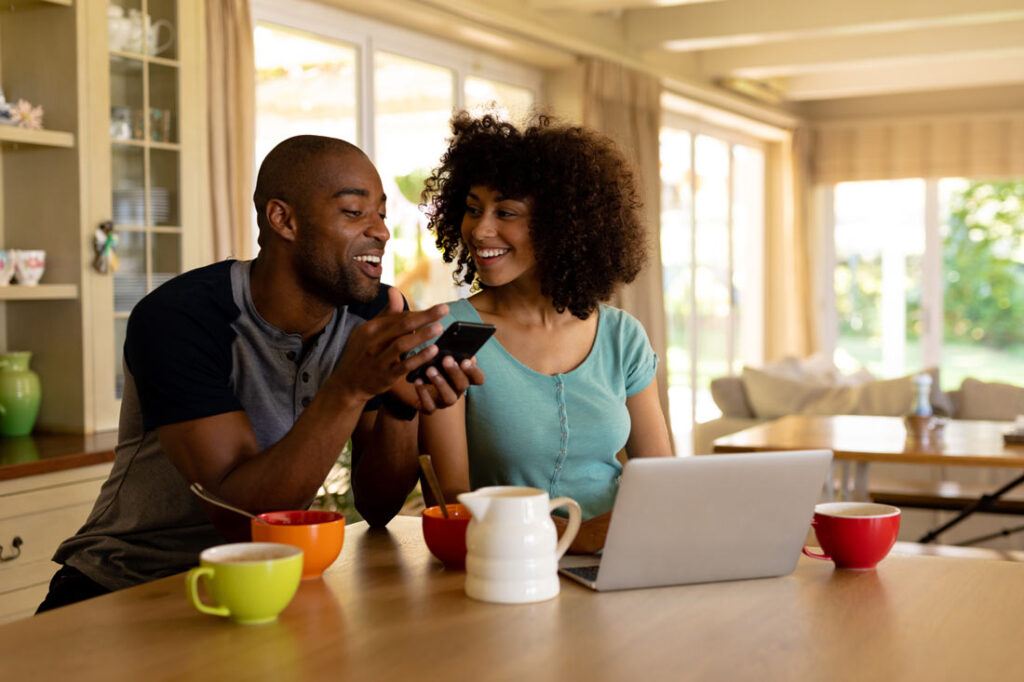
x=854, y=535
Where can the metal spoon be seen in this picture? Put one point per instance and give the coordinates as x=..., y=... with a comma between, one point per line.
x=199, y=491
x=435, y=487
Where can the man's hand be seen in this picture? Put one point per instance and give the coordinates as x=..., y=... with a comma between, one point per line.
x=373, y=358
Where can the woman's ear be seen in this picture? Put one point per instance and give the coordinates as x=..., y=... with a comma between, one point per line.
x=281, y=219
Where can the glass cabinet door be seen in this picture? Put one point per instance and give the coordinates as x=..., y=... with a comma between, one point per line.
x=145, y=149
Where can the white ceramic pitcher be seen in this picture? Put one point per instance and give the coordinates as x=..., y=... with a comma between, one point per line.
x=512, y=547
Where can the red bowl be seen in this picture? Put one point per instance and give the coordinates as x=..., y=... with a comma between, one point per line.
x=446, y=538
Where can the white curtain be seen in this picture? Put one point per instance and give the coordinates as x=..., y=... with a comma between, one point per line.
x=989, y=145
x=790, y=327
x=231, y=85
x=626, y=106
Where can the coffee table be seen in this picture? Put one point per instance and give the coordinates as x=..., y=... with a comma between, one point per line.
x=861, y=440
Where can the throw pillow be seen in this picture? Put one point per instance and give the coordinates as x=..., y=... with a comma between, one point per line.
x=772, y=396
x=815, y=369
x=990, y=400
x=728, y=394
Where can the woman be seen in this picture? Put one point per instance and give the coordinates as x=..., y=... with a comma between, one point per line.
x=544, y=222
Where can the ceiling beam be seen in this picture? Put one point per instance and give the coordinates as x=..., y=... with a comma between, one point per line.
x=810, y=56
x=605, y=5
x=571, y=36
x=750, y=22
x=955, y=72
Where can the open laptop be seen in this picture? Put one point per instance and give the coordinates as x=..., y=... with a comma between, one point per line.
x=680, y=520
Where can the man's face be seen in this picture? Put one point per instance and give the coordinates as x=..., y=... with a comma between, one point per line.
x=340, y=241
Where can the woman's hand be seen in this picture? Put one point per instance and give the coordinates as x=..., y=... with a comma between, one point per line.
x=592, y=533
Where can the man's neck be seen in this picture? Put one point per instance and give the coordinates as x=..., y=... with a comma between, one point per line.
x=281, y=301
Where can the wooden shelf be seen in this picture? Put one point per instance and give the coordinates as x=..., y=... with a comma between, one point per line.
x=131, y=142
x=15, y=5
x=137, y=59
x=39, y=292
x=46, y=138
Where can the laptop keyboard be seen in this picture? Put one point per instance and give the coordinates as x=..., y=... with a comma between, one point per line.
x=585, y=572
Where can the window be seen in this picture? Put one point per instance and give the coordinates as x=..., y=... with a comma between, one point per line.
x=929, y=273
x=712, y=224
x=879, y=256
x=392, y=92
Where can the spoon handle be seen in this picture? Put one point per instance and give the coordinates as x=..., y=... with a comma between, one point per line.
x=199, y=491
x=435, y=487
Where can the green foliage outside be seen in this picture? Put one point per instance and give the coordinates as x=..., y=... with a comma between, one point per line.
x=983, y=264
x=983, y=280
x=411, y=185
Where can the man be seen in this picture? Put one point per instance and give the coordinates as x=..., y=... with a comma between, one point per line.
x=250, y=377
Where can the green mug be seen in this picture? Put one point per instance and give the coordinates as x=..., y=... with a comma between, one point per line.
x=249, y=582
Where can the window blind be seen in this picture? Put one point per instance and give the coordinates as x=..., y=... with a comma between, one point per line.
x=975, y=146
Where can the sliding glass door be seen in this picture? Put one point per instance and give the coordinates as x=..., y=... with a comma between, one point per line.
x=929, y=273
x=712, y=225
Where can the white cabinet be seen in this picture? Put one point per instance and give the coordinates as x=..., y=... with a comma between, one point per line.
x=124, y=141
x=42, y=511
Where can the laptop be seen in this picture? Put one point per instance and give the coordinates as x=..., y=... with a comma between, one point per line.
x=681, y=520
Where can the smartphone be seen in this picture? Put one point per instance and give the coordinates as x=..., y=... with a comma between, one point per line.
x=461, y=340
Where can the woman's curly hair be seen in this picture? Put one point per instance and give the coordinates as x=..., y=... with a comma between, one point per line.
x=585, y=223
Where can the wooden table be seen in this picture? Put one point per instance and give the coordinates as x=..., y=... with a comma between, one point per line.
x=387, y=611
x=862, y=440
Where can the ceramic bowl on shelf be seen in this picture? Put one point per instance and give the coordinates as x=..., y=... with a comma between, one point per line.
x=7, y=258
x=29, y=265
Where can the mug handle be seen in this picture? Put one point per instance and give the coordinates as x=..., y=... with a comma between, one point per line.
x=815, y=555
x=575, y=519
x=160, y=47
x=192, y=589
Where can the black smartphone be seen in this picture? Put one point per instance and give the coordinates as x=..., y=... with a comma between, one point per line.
x=461, y=340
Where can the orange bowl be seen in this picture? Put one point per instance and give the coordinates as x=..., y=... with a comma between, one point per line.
x=319, y=534
x=446, y=538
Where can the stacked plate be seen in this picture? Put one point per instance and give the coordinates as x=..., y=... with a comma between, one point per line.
x=130, y=208
x=159, y=205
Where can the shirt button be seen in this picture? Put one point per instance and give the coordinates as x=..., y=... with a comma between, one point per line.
x=290, y=355
x=558, y=468
x=305, y=401
x=305, y=376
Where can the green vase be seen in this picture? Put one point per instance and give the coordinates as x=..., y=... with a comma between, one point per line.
x=20, y=394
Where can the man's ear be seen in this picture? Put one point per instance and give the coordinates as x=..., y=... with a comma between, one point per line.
x=281, y=219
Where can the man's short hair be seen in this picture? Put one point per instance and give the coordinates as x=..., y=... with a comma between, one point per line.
x=290, y=168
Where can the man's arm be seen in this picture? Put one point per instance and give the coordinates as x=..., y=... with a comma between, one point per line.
x=385, y=449
x=384, y=465
x=221, y=452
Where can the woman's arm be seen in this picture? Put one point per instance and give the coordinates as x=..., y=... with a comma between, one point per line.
x=443, y=437
x=648, y=433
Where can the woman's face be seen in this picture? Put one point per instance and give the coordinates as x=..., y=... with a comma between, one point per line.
x=497, y=231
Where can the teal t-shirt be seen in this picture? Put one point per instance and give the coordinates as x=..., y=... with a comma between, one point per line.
x=559, y=433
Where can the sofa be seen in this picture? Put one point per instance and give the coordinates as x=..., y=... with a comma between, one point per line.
x=815, y=386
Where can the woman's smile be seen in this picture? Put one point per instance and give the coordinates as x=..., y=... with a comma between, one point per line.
x=488, y=256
